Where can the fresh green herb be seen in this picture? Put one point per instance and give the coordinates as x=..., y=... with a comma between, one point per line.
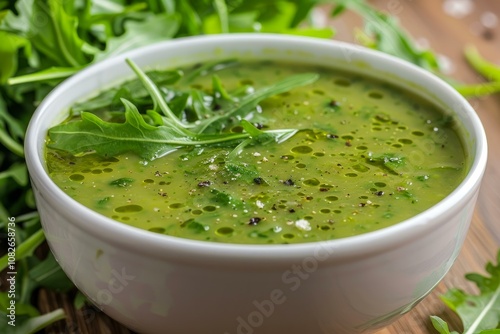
x=28, y=319
x=388, y=162
x=223, y=198
x=487, y=69
x=122, y=182
x=94, y=135
x=132, y=90
x=246, y=104
x=383, y=32
x=194, y=226
x=480, y=314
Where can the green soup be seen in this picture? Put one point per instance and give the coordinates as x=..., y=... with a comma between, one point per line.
x=367, y=155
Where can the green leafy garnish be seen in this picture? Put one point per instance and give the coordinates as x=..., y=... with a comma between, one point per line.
x=92, y=134
x=389, y=162
x=383, y=32
x=480, y=314
x=122, y=182
x=223, y=198
x=487, y=69
x=194, y=226
x=250, y=101
x=132, y=90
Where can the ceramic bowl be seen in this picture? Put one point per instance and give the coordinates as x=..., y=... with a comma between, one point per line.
x=159, y=284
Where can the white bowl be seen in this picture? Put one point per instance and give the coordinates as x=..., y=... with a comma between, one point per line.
x=160, y=284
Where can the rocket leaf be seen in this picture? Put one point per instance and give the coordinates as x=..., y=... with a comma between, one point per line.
x=480, y=313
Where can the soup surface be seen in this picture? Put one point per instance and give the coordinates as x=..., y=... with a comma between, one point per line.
x=367, y=155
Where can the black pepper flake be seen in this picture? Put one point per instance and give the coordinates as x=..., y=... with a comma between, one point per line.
x=162, y=194
x=309, y=198
x=379, y=193
x=204, y=184
x=289, y=182
x=158, y=173
x=274, y=207
x=331, y=136
x=254, y=221
x=258, y=180
x=291, y=210
x=72, y=163
x=333, y=103
x=362, y=204
x=258, y=125
x=348, y=143
x=323, y=189
x=217, y=107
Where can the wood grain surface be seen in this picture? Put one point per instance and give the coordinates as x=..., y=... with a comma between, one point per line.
x=428, y=22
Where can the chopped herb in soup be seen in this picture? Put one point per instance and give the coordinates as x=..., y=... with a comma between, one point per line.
x=256, y=153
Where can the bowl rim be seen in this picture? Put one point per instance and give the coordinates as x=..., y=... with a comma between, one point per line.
x=154, y=244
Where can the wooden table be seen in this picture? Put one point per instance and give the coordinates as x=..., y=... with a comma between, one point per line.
x=425, y=19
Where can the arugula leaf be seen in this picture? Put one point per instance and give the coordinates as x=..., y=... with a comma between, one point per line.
x=49, y=274
x=223, y=198
x=198, y=104
x=91, y=134
x=191, y=20
x=107, y=7
x=389, y=162
x=80, y=300
x=156, y=95
x=154, y=28
x=19, y=23
x=29, y=324
x=25, y=249
x=58, y=38
x=249, y=102
x=17, y=172
x=11, y=131
x=222, y=13
x=258, y=137
x=478, y=90
x=11, y=43
x=265, y=137
x=52, y=73
x=487, y=69
x=383, y=32
x=220, y=92
x=480, y=313
x=441, y=326
x=135, y=88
